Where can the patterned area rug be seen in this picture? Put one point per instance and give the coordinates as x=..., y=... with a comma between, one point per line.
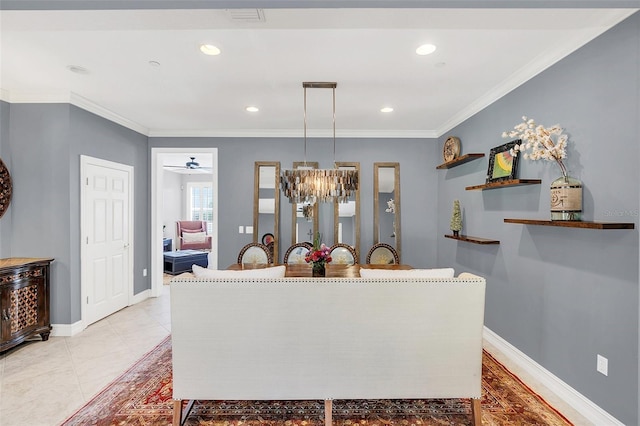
x=142, y=396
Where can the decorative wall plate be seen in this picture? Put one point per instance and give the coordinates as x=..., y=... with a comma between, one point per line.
x=451, y=148
x=5, y=188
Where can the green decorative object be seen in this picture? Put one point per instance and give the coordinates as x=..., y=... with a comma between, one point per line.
x=456, y=218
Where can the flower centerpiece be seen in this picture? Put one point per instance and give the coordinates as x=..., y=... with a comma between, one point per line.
x=318, y=256
x=549, y=143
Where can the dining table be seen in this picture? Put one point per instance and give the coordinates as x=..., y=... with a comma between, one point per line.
x=332, y=271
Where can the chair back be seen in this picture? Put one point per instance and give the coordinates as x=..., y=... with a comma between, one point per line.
x=192, y=235
x=296, y=253
x=382, y=254
x=255, y=253
x=191, y=226
x=343, y=254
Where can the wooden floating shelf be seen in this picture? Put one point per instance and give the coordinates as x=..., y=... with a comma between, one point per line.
x=573, y=224
x=474, y=240
x=460, y=160
x=501, y=184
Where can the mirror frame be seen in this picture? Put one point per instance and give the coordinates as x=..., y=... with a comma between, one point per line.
x=336, y=208
x=294, y=213
x=256, y=204
x=376, y=200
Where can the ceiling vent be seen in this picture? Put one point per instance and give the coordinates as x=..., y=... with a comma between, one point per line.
x=246, y=15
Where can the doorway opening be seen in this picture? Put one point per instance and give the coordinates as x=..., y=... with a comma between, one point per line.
x=173, y=177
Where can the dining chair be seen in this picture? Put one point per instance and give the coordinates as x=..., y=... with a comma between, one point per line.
x=382, y=254
x=255, y=253
x=296, y=253
x=343, y=254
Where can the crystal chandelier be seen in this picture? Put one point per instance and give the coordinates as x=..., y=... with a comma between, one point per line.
x=305, y=185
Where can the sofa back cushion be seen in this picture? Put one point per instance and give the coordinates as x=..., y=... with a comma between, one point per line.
x=272, y=272
x=407, y=273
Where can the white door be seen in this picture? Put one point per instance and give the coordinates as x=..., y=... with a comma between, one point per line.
x=106, y=238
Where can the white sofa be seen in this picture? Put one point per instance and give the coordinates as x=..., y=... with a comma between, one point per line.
x=326, y=338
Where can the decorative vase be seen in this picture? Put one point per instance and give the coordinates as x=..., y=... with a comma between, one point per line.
x=566, y=198
x=318, y=270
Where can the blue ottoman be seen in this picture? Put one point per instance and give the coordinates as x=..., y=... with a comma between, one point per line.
x=177, y=262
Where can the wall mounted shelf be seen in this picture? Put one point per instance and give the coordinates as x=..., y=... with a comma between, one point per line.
x=504, y=183
x=573, y=224
x=474, y=240
x=460, y=160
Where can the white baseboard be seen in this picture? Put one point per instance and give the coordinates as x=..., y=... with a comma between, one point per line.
x=143, y=295
x=67, y=330
x=588, y=409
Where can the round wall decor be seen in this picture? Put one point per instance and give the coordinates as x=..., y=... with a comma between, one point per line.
x=5, y=188
x=451, y=148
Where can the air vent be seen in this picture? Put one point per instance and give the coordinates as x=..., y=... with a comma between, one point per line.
x=246, y=15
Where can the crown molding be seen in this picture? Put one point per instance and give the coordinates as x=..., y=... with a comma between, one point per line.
x=66, y=97
x=50, y=97
x=562, y=49
x=288, y=133
x=87, y=105
x=98, y=110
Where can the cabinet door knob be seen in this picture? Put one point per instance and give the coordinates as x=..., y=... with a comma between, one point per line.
x=5, y=315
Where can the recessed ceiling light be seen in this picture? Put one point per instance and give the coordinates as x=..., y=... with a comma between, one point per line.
x=425, y=49
x=386, y=109
x=77, y=69
x=209, y=49
x=252, y=109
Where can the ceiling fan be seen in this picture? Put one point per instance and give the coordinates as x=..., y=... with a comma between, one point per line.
x=192, y=164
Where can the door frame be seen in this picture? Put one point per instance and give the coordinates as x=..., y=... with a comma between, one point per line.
x=84, y=161
x=157, y=181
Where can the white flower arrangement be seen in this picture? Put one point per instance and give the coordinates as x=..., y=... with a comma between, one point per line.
x=543, y=143
x=391, y=206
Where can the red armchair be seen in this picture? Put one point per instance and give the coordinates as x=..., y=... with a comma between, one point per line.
x=192, y=235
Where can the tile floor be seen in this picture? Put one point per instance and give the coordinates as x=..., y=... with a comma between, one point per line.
x=42, y=383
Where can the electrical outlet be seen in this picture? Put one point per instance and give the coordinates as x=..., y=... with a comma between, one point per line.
x=248, y=229
x=144, y=272
x=602, y=365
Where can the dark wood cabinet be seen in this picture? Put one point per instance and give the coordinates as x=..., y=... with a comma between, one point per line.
x=24, y=300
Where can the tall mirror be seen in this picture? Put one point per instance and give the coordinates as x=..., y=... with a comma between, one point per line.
x=266, y=205
x=346, y=216
x=304, y=216
x=386, y=204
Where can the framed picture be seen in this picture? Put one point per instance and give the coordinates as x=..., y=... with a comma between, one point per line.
x=503, y=165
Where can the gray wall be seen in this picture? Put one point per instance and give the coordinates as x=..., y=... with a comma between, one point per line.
x=45, y=143
x=554, y=293
x=172, y=205
x=417, y=158
x=562, y=295
x=5, y=222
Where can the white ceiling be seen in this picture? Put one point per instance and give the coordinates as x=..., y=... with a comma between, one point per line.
x=481, y=55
